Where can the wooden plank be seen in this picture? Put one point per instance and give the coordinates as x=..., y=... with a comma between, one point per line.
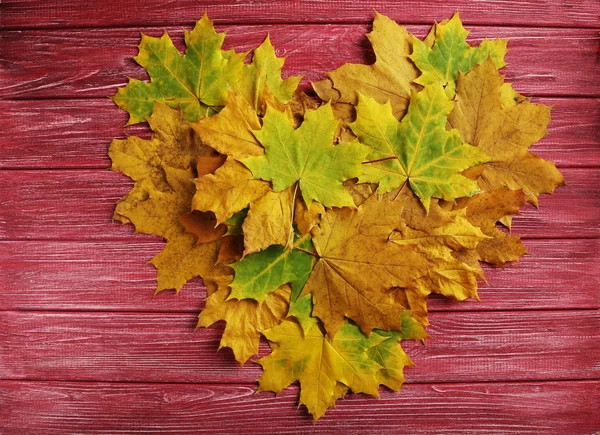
x=159, y=347
x=75, y=133
x=508, y=408
x=115, y=276
x=72, y=13
x=78, y=205
x=541, y=61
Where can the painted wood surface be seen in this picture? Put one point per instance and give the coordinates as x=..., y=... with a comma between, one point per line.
x=111, y=13
x=86, y=348
x=91, y=63
x=551, y=408
x=159, y=347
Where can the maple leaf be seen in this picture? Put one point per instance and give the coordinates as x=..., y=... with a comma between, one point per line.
x=265, y=72
x=357, y=266
x=503, y=133
x=451, y=53
x=182, y=259
x=230, y=131
x=390, y=355
x=245, y=319
x=196, y=82
x=230, y=189
x=319, y=363
x=485, y=210
x=325, y=367
x=390, y=78
x=260, y=273
x=307, y=156
x=418, y=150
x=446, y=275
x=269, y=221
x=162, y=169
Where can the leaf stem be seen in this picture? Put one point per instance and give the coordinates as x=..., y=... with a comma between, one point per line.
x=381, y=160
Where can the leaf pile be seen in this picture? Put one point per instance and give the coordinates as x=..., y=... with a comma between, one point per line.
x=323, y=226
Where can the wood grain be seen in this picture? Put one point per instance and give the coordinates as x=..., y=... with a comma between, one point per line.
x=72, y=13
x=549, y=408
x=78, y=205
x=75, y=133
x=158, y=347
x=114, y=276
x=542, y=61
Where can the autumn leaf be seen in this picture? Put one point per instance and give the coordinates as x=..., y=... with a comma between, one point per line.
x=323, y=365
x=451, y=53
x=263, y=272
x=319, y=363
x=307, y=156
x=357, y=266
x=196, y=81
x=485, y=210
x=182, y=259
x=265, y=71
x=417, y=150
x=230, y=189
x=162, y=169
x=269, y=221
x=389, y=354
x=446, y=275
x=390, y=78
x=245, y=319
x=503, y=133
x=230, y=131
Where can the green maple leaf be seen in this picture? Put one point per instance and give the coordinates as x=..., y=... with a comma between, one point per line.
x=451, y=53
x=418, y=150
x=307, y=156
x=261, y=273
x=196, y=81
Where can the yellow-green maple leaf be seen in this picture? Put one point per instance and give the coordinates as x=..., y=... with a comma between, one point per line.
x=417, y=150
x=319, y=363
x=451, y=53
x=324, y=366
x=307, y=156
x=196, y=81
x=265, y=72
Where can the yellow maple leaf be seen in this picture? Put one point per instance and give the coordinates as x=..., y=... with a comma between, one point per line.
x=163, y=171
x=503, y=133
x=245, y=318
x=230, y=189
x=485, y=210
x=357, y=266
x=390, y=78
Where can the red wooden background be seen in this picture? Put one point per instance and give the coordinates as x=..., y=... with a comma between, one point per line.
x=85, y=348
